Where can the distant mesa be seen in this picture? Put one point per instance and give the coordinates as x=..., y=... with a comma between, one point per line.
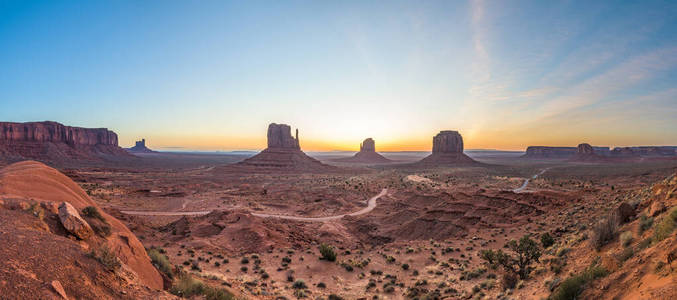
x=284, y=153
x=51, y=141
x=367, y=154
x=586, y=152
x=447, y=150
x=140, y=147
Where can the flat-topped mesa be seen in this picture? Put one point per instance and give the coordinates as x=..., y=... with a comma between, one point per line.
x=447, y=150
x=559, y=152
x=57, y=133
x=368, y=145
x=54, y=142
x=279, y=136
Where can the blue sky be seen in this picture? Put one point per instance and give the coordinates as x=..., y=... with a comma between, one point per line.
x=211, y=75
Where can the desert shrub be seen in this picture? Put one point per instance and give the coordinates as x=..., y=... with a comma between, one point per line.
x=645, y=223
x=626, y=254
x=327, y=252
x=322, y=285
x=299, y=284
x=604, y=231
x=161, y=262
x=574, y=285
x=334, y=297
x=244, y=260
x=92, y=212
x=106, y=257
x=526, y=252
x=405, y=267
x=37, y=211
x=188, y=287
x=509, y=281
x=626, y=238
x=666, y=226
x=547, y=240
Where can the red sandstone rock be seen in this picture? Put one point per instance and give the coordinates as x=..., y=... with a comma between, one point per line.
x=368, y=145
x=367, y=154
x=284, y=153
x=447, y=150
x=279, y=136
x=140, y=147
x=71, y=220
x=51, y=141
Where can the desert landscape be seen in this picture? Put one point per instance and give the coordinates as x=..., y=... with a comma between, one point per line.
x=281, y=224
x=331, y=150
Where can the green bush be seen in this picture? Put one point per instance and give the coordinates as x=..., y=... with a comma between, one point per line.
x=106, y=257
x=626, y=238
x=92, y=212
x=161, y=262
x=666, y=226
x=526, y=252
x=547, y=240
x=188, y=287
x=645, y=223
x=327, y=252
x=573, y=286
x=299, y=284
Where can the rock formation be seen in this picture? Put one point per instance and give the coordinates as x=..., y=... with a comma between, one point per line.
x=368, y=145
x=367, y=154
x=545, y=152
x=447, y=150
x=54, y=141
x=140, y=147
x=71, y=220
x=36, y=185
x=283, y=153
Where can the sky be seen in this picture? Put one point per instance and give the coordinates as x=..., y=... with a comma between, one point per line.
x=211, y=75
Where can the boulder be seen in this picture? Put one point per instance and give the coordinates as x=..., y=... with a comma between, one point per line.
x=71, y=220
x=58, y=288
x=624, y=212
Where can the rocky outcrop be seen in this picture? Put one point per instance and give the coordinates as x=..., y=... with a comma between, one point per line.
x=56, y=133
x=447, y=150
x=585, y=149
x=71, y=220
x=279, y=136
x=368, y=145
x=140, y=147
x=49, y=141
x=283, y=154
x=546, y=152
x=367, y=154
x=32, y=181
x=448, y=141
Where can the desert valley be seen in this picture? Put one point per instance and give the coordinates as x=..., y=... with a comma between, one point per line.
x=84, y=218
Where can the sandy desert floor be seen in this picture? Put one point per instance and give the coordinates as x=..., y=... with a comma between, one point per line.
x=420, y=236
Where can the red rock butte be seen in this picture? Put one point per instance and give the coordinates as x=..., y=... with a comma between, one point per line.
x=284, y=153
x=53, y=141
x=366, y=155
x=447, y=150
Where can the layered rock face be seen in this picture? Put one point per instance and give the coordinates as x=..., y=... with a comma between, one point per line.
x=283, y=153
x=140, y=147
x=54, y=141
x=56, y=133
x=447, y=150
x=367, y=154
x=559, y=152
x=279, y=136
x=448, y=141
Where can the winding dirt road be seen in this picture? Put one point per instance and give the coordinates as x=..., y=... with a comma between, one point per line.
x=526, y=181
x=371, y=204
